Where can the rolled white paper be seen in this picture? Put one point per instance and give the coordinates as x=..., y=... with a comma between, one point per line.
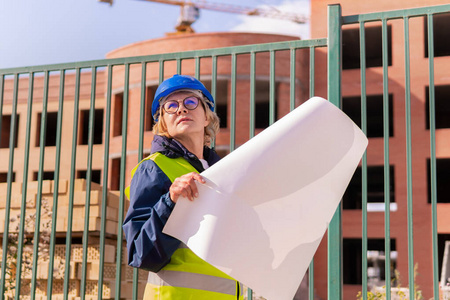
x=266, y=206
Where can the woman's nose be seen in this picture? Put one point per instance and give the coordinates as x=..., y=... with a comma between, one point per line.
x=181, y=109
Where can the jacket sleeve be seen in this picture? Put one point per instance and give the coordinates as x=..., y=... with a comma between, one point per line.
x=150, y=207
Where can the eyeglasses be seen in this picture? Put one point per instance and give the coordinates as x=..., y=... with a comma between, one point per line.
x=172, y=106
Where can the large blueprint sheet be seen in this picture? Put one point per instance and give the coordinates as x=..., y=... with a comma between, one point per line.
x=266, y=206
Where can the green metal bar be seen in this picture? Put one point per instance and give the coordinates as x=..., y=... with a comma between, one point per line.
x=12, y=143
x=362, y=47
x=252, y=93
x=334, y=58
x=311, y=94
x=272, y=89
x=197, y=67
x=311, y=280
x=56, y=185
x=172, y=56
x=142, y=112
x=214, y=78
x=409, y=162
x=105, y=181
x=135, y=284
x=214, y=88
x=77, y=66
x=42, y=136
x=161, y=71
x=387, y=196
x=432, y=117
x=252, y=116
x=140, y=153
x=88, y=185
x=292, y=79
x=123, y=162
x=178, y=60
x=76, y=102
x=143, y=98
x=27, y=147
x=233, y=103
x=312, y=69
x=396, y=14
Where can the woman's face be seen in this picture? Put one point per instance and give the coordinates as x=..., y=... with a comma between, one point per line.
x=185, y=123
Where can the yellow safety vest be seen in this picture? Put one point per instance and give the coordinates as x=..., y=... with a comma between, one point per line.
x=187, y=276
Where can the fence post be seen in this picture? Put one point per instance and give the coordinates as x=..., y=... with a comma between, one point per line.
x=334, y=62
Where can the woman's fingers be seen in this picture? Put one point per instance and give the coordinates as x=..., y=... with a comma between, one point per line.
x=185, y=186
x=197, y=177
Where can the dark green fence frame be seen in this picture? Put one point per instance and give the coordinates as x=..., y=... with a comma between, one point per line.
x=334, y=61
x=384, y=17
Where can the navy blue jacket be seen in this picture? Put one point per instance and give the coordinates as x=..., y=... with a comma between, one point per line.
x=150, y=207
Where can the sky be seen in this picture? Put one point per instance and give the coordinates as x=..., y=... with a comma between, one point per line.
x=38, y=32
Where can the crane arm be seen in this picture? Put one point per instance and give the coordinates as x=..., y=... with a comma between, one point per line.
x=250, y=11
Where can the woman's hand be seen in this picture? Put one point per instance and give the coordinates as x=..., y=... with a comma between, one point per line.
x=185, y=186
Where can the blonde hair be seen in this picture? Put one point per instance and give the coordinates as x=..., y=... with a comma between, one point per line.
x=211, y=130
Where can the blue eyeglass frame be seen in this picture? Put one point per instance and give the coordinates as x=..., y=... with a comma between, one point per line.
x=178, y=104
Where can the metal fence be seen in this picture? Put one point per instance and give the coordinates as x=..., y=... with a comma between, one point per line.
x=51, y=117
x=422, y=19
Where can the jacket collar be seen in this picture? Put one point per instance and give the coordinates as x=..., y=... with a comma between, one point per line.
x=174, y=149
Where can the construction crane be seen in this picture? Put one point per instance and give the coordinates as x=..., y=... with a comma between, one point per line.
x=190, y=12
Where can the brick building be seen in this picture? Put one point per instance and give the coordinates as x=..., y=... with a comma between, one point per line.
x=79, y=97
x=351, y=94
x=351, y=89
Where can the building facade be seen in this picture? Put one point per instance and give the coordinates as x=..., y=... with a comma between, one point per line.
x=83, y=117
x=233, y=93
x=420, y=132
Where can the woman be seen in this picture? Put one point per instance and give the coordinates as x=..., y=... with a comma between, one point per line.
x=185, y=124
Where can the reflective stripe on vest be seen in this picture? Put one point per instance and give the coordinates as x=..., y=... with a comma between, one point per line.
x=194, y=281
x=187, y=276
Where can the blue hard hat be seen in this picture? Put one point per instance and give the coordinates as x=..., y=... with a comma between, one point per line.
x=179, y=82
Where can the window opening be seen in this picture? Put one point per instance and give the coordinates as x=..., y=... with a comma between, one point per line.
x=98, y=127
x=117, y=115
x=352, y=198
x=352, y=261
x=46, y=175
x=149, y=95
x=441, y=34
x=442, y=179
x=221, y=100
x=262, y=104
x=352, y=107
x=4, y=177
x=95, y=175
x=50, y=135
x=115, y=174
x=444, y=239
x=442, y=106
x=374, y=47
x=6, y=130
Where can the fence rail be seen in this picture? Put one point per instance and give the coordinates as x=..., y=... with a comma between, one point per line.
x=114, y=86
x=70, y=133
